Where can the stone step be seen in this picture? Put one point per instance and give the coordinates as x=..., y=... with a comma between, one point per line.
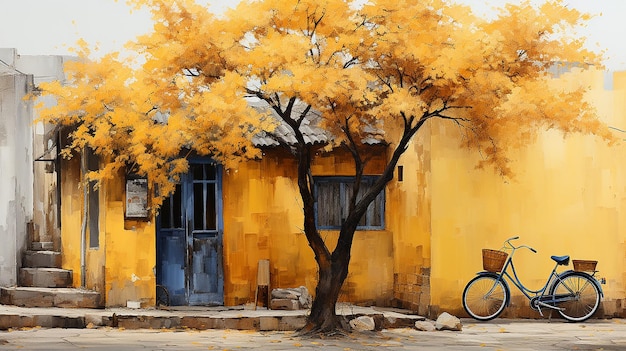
x=42, y=246
x=45, y=277
x=42, y=259
x=49, y=297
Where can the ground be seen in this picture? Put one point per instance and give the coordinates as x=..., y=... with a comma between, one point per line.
x=502, y=334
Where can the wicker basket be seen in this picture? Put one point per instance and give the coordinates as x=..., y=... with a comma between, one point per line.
x=493, y=260
x=585, y=265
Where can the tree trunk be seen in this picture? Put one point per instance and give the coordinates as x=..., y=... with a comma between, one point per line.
x=323, y=318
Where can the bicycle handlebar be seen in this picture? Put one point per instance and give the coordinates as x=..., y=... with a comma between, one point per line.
x=508, y=241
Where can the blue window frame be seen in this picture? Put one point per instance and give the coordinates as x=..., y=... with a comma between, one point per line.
x=332, y=198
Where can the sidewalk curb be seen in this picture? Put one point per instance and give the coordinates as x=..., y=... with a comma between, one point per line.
x=12, y=317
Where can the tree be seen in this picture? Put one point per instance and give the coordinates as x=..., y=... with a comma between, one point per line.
x=378, y=71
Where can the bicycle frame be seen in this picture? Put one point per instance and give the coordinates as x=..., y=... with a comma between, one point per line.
x=575, y=294
x=518, y=283
x=543, y=298
x=539, y=296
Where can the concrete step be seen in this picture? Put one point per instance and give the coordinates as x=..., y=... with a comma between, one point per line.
x=39, y=259
x=42, y=246
x=45, y=277
x=49, y=297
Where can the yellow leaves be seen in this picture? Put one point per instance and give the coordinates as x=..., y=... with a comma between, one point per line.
x=402, y=101
x=358, y=68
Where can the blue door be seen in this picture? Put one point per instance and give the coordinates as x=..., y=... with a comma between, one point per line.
x=189, y=239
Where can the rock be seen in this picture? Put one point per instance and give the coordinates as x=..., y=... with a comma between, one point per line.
x=363, y=323
x=285, y=294
x=305, y=298
x=284, y=304
x=425, y=325
x=446, y=321
x=301, y=294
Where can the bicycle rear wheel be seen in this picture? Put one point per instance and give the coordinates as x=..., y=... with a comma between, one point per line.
x=485, y=297
x=581, y=295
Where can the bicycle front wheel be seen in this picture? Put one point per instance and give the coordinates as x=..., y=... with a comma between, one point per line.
x=485, y=297
x=579, y=294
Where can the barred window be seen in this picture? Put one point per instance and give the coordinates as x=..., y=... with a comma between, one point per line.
x=333, y=195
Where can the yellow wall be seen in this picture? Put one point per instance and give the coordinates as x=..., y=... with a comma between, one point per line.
x=130, y=251
x=71, y=214
x=122, y=267
x=567, y=198
x=263, y=220
x=408, y=217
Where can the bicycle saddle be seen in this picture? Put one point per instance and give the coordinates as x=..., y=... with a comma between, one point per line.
x=562, y=260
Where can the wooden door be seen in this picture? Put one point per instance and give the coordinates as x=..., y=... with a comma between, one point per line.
x=189, y=239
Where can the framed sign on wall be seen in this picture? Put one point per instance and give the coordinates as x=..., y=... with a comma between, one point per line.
x=136, y=197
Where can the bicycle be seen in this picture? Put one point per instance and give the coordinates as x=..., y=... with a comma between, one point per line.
x=575, y=294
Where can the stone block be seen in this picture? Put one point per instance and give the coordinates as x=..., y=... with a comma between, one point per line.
x=42, y=246
x=16, y=321
x=49, y=297
x=241, y=323
x=24, y=297
x=74, y=322
x=285, y=304
x=288, y=323
x=42, y=259
x=45, y=277
x=268, y=323
x=147, y=322
x=76, y=298
x=202, y=323
x=397, y=295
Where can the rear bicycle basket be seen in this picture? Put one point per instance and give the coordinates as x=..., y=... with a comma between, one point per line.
x=584, y=265
x=493, y=260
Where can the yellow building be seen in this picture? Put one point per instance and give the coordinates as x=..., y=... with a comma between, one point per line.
x=439, y=212
x=568, y=197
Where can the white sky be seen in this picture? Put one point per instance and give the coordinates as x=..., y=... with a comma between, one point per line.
x=51, y=27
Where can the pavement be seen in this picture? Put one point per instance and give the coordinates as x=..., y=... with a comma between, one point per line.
x=500, y=334
x=198, y=318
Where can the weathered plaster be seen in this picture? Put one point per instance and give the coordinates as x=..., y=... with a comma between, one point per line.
x=16, y=175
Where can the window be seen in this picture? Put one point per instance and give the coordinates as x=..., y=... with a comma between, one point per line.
x=93, y=212
x=333, y=195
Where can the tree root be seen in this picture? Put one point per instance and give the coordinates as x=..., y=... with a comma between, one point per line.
x=340, y=328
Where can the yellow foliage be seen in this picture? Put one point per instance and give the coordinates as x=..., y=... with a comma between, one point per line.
x=376, y=71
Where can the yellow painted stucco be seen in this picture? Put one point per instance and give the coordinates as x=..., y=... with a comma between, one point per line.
x=263, y=220
x=568, y=197
x=121, y=268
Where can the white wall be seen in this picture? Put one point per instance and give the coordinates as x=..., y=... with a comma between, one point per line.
x=16, y=159
x=44, y=68
x=27, y=187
